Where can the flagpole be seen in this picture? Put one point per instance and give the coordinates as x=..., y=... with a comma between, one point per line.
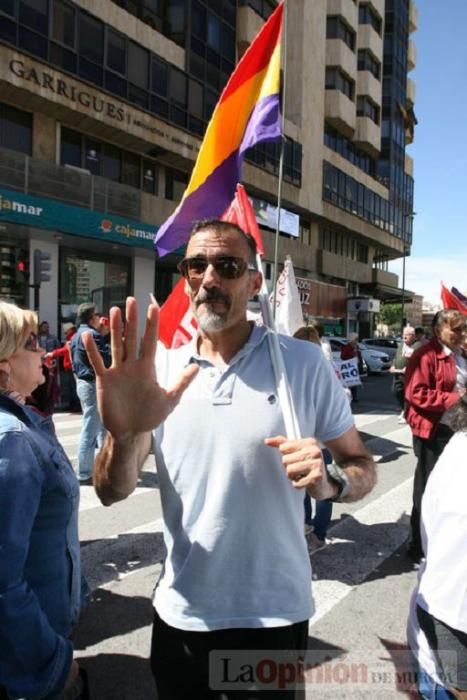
x=281, y=156
x=292, y=428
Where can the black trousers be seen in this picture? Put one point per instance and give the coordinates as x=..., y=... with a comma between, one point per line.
x=180, y=660
x=398, y=389
x=427, y=453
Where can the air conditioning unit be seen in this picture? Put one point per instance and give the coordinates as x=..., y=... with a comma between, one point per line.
x=363, y=304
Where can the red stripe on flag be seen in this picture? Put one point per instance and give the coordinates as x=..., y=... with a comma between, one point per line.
x=258, y=54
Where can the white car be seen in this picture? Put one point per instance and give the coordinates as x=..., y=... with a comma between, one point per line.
x=375, y=361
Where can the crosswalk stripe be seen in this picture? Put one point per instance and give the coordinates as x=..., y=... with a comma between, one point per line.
x=365, y=547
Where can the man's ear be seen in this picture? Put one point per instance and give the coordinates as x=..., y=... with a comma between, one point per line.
x=187, y=288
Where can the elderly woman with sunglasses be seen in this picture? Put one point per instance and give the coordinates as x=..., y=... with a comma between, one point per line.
x=40, y=579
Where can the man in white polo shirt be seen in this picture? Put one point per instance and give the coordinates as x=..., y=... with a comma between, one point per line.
x=237, y=572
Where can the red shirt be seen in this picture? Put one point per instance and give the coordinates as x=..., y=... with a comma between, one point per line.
x=430, y=380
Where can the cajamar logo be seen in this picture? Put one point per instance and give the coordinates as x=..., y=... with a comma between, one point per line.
x=106, y=226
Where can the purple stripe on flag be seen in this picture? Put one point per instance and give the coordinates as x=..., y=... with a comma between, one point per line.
x=459, y=295
x=210, y=200
x=264, y=123
x=213, y=197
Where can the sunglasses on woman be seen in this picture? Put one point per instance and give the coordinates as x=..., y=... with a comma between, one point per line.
x=228, y=267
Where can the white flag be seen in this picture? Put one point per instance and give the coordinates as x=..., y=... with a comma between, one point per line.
x=289, y=316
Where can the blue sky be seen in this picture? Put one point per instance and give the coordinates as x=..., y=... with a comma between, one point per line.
x=439, y=250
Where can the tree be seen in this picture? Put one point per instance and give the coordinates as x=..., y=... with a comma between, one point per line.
x=390, y=314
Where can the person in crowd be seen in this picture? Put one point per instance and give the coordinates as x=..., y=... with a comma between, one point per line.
x=46, y=340
x=404, y=351
x=104, y=327
x=434, y=381
x=437, y=627
x=420, y=335
x=92, y=431
x=68, y=383
x=349, y=351
x=40, y=579
x=48, y=395
x=231, y=484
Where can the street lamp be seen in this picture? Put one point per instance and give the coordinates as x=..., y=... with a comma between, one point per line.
x=403, y=291
x=411, y=217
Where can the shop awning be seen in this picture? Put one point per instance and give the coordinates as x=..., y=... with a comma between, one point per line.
x=387, y=293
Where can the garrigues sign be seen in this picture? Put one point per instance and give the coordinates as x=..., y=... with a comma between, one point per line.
x=46, y=80
x=95, y=103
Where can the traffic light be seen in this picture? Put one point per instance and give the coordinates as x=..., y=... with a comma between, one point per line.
x=21, y=267
x=42, y=266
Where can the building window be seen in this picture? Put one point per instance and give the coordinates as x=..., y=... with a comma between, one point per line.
x=165, y=16
x=33, y=14
x=71, y=148
x=336, y=79
x=367, y=108
x=15, y=129
x=347, y=193
x=175, y=184
x=150, y=177
x=138, y=75
x=342, y=145
x=336, y=28
x=263, y=8
x=91, y=277
x=366, y=61
x=107, y=160
x=362, y=253
x=368, y=15
x=116, y=52
x=63, y=24
x=91, y=48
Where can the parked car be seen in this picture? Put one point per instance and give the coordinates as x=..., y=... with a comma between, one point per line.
x=375, y=361
x=386, y=345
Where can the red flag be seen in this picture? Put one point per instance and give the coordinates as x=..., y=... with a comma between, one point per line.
x=177, y=324
x=241, y=213
x=450, y=301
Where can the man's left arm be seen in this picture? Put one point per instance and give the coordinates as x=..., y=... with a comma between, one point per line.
x=356, y=462
x=353, y=479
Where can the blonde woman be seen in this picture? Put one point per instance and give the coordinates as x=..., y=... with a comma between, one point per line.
x=40, y=579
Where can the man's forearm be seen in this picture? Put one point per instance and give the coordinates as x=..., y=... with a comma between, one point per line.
x=118, y=465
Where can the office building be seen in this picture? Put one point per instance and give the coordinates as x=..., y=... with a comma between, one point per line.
x=102, y=111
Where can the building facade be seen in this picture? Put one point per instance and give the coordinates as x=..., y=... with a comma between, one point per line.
x=102, y=111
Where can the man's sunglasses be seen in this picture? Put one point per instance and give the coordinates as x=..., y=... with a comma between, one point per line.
x=31, y=342
x=226, y=266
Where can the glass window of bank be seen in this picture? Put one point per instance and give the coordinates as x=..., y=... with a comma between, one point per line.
x=84, y=277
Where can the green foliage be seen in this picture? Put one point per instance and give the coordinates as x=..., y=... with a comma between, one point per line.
x=390, y=314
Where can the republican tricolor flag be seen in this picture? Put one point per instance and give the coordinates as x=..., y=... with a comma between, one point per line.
x=247, y=113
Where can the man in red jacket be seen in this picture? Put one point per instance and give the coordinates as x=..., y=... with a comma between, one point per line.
x=434, y=381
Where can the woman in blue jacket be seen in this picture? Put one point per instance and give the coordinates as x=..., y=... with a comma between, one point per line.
x=40, y=578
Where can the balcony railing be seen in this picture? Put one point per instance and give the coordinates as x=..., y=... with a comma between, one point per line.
x=67, y=184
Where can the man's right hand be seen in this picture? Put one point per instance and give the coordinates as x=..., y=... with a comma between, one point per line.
x=129, y=398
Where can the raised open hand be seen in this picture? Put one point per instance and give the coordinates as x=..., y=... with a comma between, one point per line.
x=129, y=398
